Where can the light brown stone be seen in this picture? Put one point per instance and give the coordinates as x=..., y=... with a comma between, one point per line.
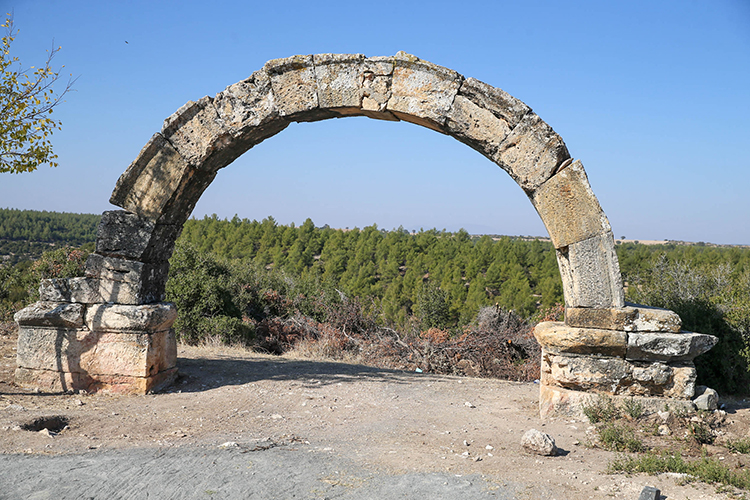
x=84, y=290
x=339, y=83
x=475, y=126
x=631, y=318
x=125, y=281
x=422, y=92
x=531, y=153
x=55, y=314
x=617, y=376
x=556, y=337
x=590, y=273
x=151, y=181
x=52, y=381
x=294, y=85
x=568, y=207
x=377, y=78
x=501, y=104
x=72, y=350
x=131, y=318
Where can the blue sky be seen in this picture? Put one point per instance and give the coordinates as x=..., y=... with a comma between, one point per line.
x=652, y=97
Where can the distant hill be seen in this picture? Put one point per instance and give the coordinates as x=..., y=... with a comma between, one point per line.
x=26, y=234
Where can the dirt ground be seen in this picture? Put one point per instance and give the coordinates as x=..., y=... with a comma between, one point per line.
x=390, y=421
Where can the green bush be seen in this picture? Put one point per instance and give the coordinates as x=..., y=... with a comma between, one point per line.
x=709, y=299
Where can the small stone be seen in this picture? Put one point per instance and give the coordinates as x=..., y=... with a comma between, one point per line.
x=707, y=398
x=46, y=432
x=538, y=442
x=466, y=443
x=229, y=444
x=664, y=415
x=469, y=405
x=664, y=430
x=650, y=493
x=489, y=447
x=78, y=402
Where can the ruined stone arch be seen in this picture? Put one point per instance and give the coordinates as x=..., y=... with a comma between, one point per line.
x=111, y=330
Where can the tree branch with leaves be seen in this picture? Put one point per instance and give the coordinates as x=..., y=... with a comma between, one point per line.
x=27, y=100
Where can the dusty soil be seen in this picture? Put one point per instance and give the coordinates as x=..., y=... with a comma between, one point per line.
x=382, y=420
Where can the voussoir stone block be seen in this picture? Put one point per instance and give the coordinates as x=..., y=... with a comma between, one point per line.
x=83, y=290
x=197, y=132
x=124, y=318
x=295, y=88
x=631, y=318
x=55, y=314
x=556, y=337
x=339, y=83
x=568, y=207
x=376, y=83
x=531, y=153
x=590, y=273
x=129, y=236
x=127, y=281
x=663, y=346
x=422, y=92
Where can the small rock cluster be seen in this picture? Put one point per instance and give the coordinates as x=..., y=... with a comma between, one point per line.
x=628, y=351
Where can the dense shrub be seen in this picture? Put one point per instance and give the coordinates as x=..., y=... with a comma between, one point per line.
x=713, y=299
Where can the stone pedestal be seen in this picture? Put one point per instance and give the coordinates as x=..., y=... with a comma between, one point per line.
x=114, y=348
x=633, y=351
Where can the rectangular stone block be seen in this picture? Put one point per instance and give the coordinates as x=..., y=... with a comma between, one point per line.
x=668, y=347
x=151, y=180
x=131, y=318
x=568, y=207
x=248, y=109
x=75, y=290
x=70, y=350
x=294, y=84
x=591, y=273
x=377, y=78
x=338, y=81
x=422, y=92
x=197, y=132
x=126, y=235
x=476, y=127
x=54, y=314
x=498, y=102
x=127, y=281
x=531, y=153
x=617, y=376
x=631, y=318
x=50, y=381
x=558, y=338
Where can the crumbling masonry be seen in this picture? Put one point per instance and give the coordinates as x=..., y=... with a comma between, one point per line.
x=111, y=330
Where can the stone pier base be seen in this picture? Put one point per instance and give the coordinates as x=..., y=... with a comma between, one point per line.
x=622, y=353
x=96, y=347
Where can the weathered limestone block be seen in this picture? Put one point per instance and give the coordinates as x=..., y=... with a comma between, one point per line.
x=476, y=127
x=78, y=350
x=152, y=180
x=557, y=401
x=591, y=273
x=129, y=236
x=50, y=381
x=338, y=82
x=76, y=290
x=54, y=314
x=127, y=281
x=568, y=207
x=631, y=318
x=557, y=337
x=125, y=318
x=295, y=88
x=422, y=92
x=501, y=104
x=377, y=80
x=663, y=346
x=531, y=153
x=619, y=377
x=197, y=132
x=706, y=398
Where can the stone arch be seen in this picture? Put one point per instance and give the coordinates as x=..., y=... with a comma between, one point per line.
x=110, y=330
x=161, y=187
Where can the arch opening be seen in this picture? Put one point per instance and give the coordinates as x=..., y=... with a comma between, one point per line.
x=122, y=292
